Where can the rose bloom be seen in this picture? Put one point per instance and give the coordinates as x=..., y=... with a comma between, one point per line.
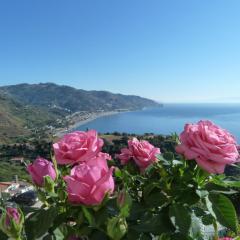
x=89, y=181
x=211, y=146
x=226, y=238
x=39, y=169
x=142, y=152
x=12, y=214
x=77, y=147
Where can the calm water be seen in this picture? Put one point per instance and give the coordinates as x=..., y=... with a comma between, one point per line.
x=169, y=119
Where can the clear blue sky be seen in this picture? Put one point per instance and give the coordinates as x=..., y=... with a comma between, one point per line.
x=172, y=50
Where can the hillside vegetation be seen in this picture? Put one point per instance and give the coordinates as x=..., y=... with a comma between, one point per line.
x=27, y=109
x=18, y=119
x=70, y=99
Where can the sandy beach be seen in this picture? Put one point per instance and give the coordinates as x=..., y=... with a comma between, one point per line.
x=80, y=118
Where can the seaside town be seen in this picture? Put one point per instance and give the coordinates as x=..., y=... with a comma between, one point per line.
x=119, y=120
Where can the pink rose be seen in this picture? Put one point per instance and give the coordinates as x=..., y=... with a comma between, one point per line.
x=12, y=214
x=89, y=182
x=226, y=238
x=211, y=146
x=142, y=152
x=77, y=147
x=39, y=169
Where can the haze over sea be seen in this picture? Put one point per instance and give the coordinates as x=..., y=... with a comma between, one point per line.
x=169, y=119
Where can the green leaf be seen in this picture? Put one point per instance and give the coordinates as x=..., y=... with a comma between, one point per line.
x=232, y=183
x=58, y=234
x=155, y=224
x=137, y=210
x=118, y=173
x=49, y=184
x=216, y=188
x=163, y=160
x=97, y=235
x=180, y=217
x=207, y=219
x=146, y=236
x=132, y=234
x=155, y=199
x=199, y=212
x=178, y=236
x=196, y=230
x=48, y=237
x=224, y=211
x=88, y=216
x=202, y=193
x=168, y=156
x=39, y=222
x=3, y=236
x=101, y=217
x=164, y=237
x=124, y=202
x=187, y=196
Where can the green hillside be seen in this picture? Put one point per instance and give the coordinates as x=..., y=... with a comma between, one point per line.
x=17, y=119
x=54, y=97
x=28, y=109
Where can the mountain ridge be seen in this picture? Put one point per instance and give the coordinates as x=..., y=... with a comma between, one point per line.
x=27, y=108
x=66, y=97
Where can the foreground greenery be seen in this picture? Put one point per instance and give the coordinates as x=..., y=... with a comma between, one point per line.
x=170, y=200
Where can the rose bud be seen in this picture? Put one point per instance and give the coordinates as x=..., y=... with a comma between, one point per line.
x=11, y=222
x=39, y=169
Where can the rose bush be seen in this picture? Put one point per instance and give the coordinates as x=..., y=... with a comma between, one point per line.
x=86, y=194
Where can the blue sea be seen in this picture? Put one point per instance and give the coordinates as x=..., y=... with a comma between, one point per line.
x=169, y=119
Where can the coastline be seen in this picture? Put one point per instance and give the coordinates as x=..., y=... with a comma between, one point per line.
x=80, y=118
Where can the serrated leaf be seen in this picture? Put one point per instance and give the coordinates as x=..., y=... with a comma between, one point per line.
x=156, y=224
x=180, y=217
x=39, y=223
x=224, y=211
x=155, y=199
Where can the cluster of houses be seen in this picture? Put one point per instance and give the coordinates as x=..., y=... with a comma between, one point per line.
x=10, y=189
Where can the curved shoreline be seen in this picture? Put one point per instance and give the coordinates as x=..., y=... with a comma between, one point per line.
x=89, y=117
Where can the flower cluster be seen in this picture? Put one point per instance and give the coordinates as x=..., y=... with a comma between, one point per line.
x=90, y=178
x=155, y=200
